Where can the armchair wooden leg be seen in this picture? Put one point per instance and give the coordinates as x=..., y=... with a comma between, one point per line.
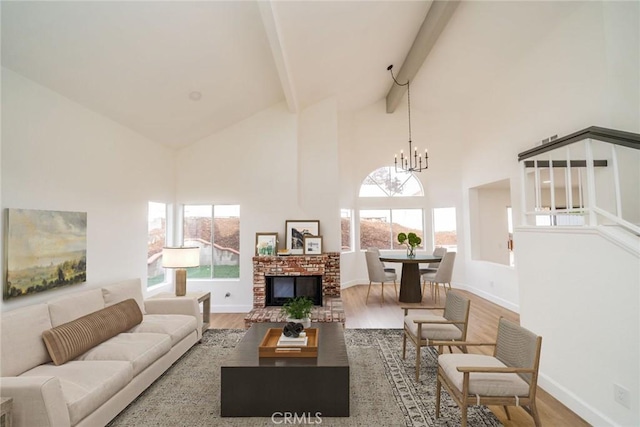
x=464, y=416
x=506, y=410
x=438, y=389
x=417, y=362
x=404, y=344
x=418, y=342
x=534, y=413
x=382, y=292
x=395, y=287
x=368, y=290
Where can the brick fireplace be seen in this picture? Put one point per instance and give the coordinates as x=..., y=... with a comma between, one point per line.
x=326, y=265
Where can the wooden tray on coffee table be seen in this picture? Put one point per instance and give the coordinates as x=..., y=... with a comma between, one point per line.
x=269, y=348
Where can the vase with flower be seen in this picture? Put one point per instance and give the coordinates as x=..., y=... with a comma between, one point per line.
x=411, y=241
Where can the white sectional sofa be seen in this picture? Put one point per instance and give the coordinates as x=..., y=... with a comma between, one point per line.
x=94, y=387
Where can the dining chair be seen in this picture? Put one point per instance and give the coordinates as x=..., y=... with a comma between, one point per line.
x=508, y=378
x=441, y=275
x=377, y=271
x=422, y=328
x=432, y=267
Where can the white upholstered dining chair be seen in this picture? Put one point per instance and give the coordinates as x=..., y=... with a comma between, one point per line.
x=378, y=272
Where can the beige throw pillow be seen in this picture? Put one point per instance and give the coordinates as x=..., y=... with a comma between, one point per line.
x=70, y=340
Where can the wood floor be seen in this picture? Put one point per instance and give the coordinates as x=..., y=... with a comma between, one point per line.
x=483, y=321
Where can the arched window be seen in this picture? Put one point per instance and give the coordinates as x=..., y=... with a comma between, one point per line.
x=379, y=227
x=386, y=182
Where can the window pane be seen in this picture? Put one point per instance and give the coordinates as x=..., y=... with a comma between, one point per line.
x=407, y=221
x=345, y=228
x=444, y=228
x=375, y=229
x=226, y=241
x=197, y=232
x=157, y=236
x=385, y=182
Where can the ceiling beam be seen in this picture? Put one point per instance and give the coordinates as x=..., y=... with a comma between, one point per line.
x=437, y=18
x=270, y=22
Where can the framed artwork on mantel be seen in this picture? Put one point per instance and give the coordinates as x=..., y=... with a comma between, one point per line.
x=296, y=230
x=313, y=245
x=266, y=244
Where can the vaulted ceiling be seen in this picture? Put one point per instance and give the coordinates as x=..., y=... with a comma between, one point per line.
x=140, y=63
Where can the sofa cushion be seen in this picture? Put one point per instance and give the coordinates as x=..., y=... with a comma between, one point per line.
x=483, y=384
x=67, y=341
x=86, y=385
x=21, y=346
x=177, y=326
x=122, y=291
x=141, y=349
x=432, y=331
x=70, y=307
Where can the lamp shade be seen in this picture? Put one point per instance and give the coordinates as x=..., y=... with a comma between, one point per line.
x=180, y=257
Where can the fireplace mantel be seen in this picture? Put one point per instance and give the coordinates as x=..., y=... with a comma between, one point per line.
x=326, y=265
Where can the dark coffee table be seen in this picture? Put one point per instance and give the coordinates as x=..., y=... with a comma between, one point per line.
x=259, y=387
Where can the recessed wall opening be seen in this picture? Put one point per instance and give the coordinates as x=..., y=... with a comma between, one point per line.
x=490, y=230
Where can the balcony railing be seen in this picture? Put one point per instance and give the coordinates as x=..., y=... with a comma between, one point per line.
x=588, y=178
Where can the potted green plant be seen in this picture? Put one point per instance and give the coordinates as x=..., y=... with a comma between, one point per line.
x=298, y=310
x=411, y=240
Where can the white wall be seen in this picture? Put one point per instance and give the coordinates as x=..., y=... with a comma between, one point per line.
x=57, y=155
x=565, y=286
x=589, y=292
x=277, y=166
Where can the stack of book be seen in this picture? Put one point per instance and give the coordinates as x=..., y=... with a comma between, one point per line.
x=300, y=341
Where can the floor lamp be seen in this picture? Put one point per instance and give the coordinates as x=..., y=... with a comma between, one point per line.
x=181, y=258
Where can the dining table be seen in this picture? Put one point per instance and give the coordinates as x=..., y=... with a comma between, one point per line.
x=410, y=290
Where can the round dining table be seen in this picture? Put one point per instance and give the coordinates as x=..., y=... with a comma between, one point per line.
x=410, y=290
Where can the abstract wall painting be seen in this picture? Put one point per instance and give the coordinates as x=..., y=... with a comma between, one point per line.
x=44, y=250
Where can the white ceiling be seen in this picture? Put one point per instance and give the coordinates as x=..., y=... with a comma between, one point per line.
x=137, y=62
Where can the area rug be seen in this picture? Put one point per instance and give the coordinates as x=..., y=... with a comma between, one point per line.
x=383, y=388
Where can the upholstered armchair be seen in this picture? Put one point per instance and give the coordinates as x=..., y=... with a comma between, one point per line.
x=507, y=378
x=423, y=327
x=377, y=271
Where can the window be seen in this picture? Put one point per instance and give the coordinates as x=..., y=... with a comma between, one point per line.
x=380, y=227
x=215, y=229
x=386, y=182
x=345, y=227
x=157, y=239
x=444, y=228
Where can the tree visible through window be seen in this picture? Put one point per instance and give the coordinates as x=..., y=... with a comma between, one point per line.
x=386, y=182
x=215, y=229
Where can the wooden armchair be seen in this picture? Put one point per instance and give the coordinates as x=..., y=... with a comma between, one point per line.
x=508, y=378
x=423, y=328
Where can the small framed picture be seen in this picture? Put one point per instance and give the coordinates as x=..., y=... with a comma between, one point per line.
x=266, y=244
x=312, y=245
x=296, y=231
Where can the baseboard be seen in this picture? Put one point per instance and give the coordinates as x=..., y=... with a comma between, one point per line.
x=219, y=308
x=573, y=402
x=497, y=300
x=345, y=285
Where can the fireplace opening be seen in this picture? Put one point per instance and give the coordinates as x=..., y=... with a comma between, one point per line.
x=280, y=289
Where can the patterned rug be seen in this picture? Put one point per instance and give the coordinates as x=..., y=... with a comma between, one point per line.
x=383, y=388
